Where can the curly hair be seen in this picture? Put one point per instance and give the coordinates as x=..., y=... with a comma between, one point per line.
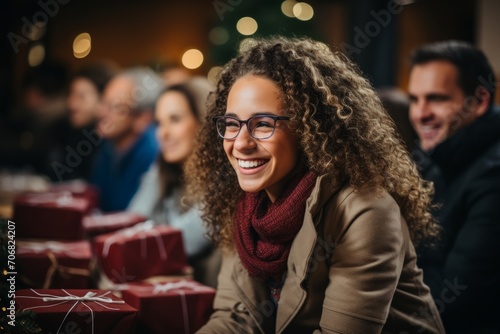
x=342, y=127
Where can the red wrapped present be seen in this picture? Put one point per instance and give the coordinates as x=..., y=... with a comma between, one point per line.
x=54, y=215
x=55, y=265
x=174, y=307
x=78, y=188
x=101, y=224
x=140, y=252
x=77, y=311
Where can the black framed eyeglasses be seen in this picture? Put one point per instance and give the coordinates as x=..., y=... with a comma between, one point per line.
x=259, y=126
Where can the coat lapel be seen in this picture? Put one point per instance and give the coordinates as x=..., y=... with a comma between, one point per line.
x=293, y=295
x=255, y=295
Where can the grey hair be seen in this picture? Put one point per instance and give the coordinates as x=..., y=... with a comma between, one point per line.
x=147, y=87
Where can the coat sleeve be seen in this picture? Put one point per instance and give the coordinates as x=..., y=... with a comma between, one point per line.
x=366, y=263
x=230, y=314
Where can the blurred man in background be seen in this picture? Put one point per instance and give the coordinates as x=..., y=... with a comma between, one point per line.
x=451, y=90
x=129, y=145
x=73, y=158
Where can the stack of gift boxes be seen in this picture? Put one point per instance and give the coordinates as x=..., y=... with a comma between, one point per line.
x=111, y=273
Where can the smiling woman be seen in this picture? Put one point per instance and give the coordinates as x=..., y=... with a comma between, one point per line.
x=266, y=163
x=312, y=197
x=179, y=111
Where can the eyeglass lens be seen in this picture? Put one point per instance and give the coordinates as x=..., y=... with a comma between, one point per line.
x=260, y=127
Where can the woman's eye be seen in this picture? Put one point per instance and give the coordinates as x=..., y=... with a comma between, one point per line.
x=263, y=124
x=232, y=124
x=175, y=119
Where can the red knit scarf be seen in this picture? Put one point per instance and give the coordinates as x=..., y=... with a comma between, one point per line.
x=264, y=231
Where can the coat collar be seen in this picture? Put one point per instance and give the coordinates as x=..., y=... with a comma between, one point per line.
x=455, y=153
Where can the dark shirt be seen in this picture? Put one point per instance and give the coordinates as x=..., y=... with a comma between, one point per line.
x=118, y=174
x=73, y=156
x=463, y=272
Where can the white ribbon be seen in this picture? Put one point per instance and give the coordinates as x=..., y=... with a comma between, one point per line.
x=177, y=287
x=49, y=246
x=88, y=297
x=110, y=219
x=182, y=284
x=63, y=198
x=143, y=230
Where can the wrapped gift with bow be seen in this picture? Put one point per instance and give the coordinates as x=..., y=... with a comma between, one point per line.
x=140, y=252
x=78, y=188
x=54, y=265
x=51, y=215
x=77, y=311
x=110, y=222
x=174, y=307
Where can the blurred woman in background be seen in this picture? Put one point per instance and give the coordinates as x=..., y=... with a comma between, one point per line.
x=178, y=112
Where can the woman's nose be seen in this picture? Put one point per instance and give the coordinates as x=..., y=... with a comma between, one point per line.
x=244, y=141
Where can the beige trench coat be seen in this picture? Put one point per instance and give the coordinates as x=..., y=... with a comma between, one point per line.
x=351, y=269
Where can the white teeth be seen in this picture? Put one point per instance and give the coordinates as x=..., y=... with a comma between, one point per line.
x=429, y=127
x=250, y=163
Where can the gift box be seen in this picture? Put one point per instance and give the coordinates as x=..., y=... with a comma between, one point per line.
x=52, y=215
x=80, y=189
x=173, y=307
x=102, y=224
x=140, y=252
x=55, y=265
x=77, y=311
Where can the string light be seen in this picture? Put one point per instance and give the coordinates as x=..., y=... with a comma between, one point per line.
x=36, y=55
x=218, y=35
x=213, y=74
x=247, y=26
x=303, y=11
x=192, y=59
x=287, y=7
x=82, y=45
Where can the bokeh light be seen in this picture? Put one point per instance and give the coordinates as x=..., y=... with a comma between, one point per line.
x=303, y=11
x=213, y=74
x=192, y=59
x=218, y=35
x=36, y=55
x=247, y=43
x=82, y=45
x=247, y=26
x=287, y=7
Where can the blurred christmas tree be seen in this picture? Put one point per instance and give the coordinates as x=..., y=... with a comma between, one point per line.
x=237, y=19
x=25, y=322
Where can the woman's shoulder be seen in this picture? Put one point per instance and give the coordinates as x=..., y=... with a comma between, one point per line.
x=351, y=205
x=368, y=214
x=366, y=197
x=348, y=196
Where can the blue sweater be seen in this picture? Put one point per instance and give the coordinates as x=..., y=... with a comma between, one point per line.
x=118, y=174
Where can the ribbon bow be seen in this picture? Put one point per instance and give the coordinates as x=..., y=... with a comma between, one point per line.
x=48, y=246
x=51, y=248
x=183, y=284
x=88, y=297
x=179, y=287
x=142, y=229
x=63, y=198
